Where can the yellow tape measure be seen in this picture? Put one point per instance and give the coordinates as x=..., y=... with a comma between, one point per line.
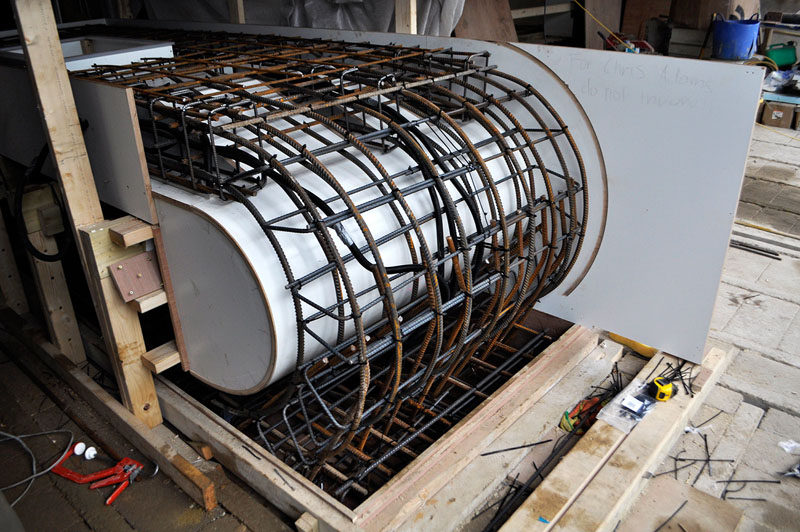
x=663, y=388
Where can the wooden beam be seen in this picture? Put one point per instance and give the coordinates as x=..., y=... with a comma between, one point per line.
x=39, y=36
x=10, y=282
x=51, y=285
x=236, y=11
x=150, y=301
x=129, y=231
x=59, y=315
x=488, y=20
x=162, y=357
x=405, y=16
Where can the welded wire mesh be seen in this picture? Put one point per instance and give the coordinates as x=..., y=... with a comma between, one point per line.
x=480, y=178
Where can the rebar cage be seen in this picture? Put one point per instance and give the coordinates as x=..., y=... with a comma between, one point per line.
x=473, y=174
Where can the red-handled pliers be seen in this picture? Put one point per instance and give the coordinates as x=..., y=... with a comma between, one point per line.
x=123, y=473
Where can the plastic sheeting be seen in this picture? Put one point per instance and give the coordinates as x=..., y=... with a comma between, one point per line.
x=434, y=17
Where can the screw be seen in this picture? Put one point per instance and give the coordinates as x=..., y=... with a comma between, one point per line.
x=146, y=407
x=130, y=293
x=139, y=275
x=119, y=266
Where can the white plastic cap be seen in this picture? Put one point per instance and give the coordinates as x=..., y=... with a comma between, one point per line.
x=91, y=452
x=79, y=448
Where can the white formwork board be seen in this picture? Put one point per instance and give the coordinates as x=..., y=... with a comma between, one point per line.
x=674, y=135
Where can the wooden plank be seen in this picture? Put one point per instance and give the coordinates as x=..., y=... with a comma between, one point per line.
x=150, y=301
x=488, y=20
x=609, y=12
x=236, y=11
x=39, y=36
x=166, y=277
x=307, y=523
x=105, y=252
x=476, y=486
x=541, y=11
x=664, y=495
x=162, y=357
x=120, y=323
x=281, y=485
x=10, y=282
x=610, y=464
x=59, y=315
x=405, y=493
x=159, y=443
x=131, y=231
x=405, y=16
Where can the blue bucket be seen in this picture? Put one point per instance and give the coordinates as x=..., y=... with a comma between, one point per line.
x=735, y=40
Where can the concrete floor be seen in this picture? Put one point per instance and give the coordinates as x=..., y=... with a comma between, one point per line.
x=757, y=401
x=758, y=398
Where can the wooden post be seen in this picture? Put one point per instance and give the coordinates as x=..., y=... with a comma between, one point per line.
x=405, y=16
x=236, y=11
x=10, y=283
x=59, y=316
x=119, y=322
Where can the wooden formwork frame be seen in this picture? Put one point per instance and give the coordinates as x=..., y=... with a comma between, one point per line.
x=146, y=396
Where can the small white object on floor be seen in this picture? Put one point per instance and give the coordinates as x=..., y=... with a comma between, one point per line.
x=790, y=446
x=91, y=452
x=79, y=448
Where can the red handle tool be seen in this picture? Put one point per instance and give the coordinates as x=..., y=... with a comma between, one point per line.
x=123, y=473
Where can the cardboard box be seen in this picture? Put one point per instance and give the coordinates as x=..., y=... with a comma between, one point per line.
x=697, y=13
x=778, y=114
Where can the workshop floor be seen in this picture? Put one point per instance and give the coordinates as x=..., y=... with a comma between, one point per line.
x=757, y=401
x=758, y=398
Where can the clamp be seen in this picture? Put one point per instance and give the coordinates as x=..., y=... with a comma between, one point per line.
x=123, y=473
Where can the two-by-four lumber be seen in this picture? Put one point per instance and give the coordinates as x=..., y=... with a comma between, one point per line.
x=162, y=357
x=594, y=484
x=121, y=328
x=119, y=322
x=10, y=282
x=51, y=285
x=405, y=16
x=129, y=231
x=150, y=301
x=159, y=443
x=236, y=11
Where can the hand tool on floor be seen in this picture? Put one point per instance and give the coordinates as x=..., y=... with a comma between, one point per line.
x=661, y=389
x=123, y=473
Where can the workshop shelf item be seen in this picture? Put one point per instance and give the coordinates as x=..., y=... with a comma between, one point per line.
x=735, y=40
x=784, y=54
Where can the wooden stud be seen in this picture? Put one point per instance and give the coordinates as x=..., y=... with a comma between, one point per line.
x=405, y=16
x=10, y=282
x=236, y=11
x=59, y=316
x=50, y=220
x=150, y=301
x=162, y=357
x=307, y=523
x=130, y=231
x=51, y=284
x=45, y=59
